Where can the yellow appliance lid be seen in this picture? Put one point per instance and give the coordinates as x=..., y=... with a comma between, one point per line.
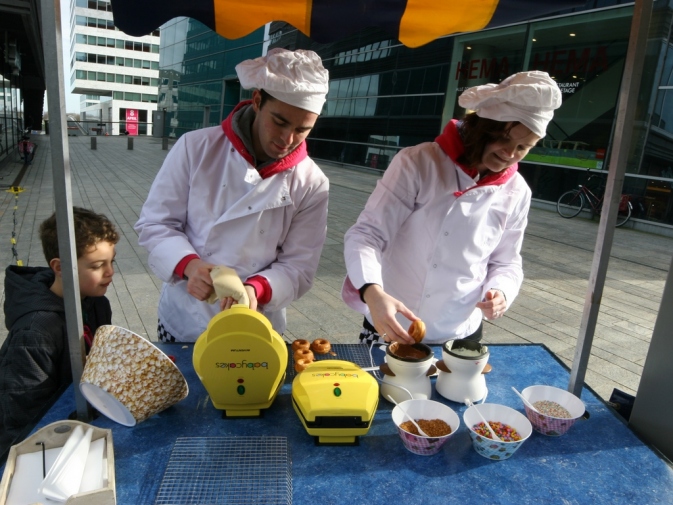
x=240, y=359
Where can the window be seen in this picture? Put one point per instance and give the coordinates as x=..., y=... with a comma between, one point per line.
x=155, y=48
x=137, y=63
x=145, y=64
x=81, y=74
x=154, y=82
x=128, y=62
x=119, y=44
x=101, y=41
x=132, y=97
x=100, y=58
x=110, y=60
x=154, y=65
x=137, y=46
x=91, y=76
x=80, y=56
x=80, y=20
x=82, y=3
x=118, y=95
x=92, y=40
x=80, y=39
x=119, y=78
x=128, y=45
x=128, y=79
x=145, y=81
x=110, y=42
x=136, y=80
x=100, y=76
x=120, y=61
x=91, y=58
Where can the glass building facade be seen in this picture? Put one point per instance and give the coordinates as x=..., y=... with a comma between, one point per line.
x=384, y=96
x=198, y=86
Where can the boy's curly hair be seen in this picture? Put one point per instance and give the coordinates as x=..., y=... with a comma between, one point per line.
x=90, y=228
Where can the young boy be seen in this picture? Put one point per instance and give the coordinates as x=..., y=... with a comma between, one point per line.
x=34, y=359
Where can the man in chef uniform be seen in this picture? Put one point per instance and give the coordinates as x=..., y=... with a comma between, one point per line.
x=243, y=195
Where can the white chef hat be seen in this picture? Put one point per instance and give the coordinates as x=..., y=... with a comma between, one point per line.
x=527, y=97
x=294, y=77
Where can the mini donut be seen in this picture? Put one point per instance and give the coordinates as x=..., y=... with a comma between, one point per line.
x=300, y=344
x=321, y=346
x=417, y=330
x=301, y=364
x=304, y=354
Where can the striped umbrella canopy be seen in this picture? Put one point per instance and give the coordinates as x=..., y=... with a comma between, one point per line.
x=412, y=22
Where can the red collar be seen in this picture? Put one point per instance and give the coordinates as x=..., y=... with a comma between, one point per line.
x=278, y=166
x=453, y=147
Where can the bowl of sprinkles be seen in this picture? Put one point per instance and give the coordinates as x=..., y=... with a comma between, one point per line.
x=557, y=409
x=439, y=421
x=511, y=426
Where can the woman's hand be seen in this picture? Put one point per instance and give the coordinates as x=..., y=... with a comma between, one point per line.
x=199, y=283
x=226, y=303
x=494, y=304
x=383, y=309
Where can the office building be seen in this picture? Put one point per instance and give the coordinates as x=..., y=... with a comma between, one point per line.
x=116, y=75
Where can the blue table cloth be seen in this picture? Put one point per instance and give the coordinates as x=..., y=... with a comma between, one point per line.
x=599, y=461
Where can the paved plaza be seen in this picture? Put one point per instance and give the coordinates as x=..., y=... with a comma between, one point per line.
x=557, y=260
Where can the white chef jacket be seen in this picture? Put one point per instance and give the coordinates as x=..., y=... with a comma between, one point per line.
x=208, y=200
x=436, y=252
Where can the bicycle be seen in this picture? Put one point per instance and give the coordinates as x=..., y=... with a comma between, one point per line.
x=26, y=149
x=572, y=202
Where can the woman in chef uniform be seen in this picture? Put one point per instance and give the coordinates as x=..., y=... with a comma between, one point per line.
x=440, y=237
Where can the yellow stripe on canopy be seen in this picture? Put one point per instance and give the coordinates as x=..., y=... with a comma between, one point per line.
x=233, y=20
x=426, y=20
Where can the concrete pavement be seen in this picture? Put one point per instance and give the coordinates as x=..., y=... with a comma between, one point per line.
x=557, y=261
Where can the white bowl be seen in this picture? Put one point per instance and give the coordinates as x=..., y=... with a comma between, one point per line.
x=424, y=409
x=493, y=412
x=546, y=424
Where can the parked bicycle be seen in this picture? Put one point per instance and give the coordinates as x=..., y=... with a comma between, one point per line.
x=26, y=148
x=572, y=202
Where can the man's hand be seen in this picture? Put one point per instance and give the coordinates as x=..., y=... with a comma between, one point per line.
x=383, y=308
x=199, y=283
x=226, y=303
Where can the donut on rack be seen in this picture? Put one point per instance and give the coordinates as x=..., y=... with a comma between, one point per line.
x=300, y=344
x=321, y=346
x=301, y=364
x=417, y=330
x=306, y=354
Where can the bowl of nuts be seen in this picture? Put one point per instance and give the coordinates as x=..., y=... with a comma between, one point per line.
x=437, y=420
x=129, y=379
x=556, y=410
x=510, y=426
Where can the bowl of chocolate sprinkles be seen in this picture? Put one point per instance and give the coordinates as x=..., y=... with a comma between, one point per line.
x=439, y=421
x=557, y=409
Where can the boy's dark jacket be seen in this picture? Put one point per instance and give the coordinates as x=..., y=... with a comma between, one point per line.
x=34, y=359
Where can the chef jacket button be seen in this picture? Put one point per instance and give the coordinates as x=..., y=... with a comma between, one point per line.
x=232, y=149
x=283, y=199
x=261, y=232
x=434, y=266
x=446, y=233
x=254, y=264
x=209, y=254
x=427, y=296
x=249, y=208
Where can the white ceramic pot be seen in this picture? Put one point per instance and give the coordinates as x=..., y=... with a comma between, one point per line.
x=407, y=372
x=460, y=374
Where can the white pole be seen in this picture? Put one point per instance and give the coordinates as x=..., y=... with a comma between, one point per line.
x=52, y=44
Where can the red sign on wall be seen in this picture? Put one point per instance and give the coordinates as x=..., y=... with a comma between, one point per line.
x=132, y=121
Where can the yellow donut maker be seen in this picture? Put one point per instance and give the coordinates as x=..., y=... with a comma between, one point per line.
x=335, y=401
x=241, y=361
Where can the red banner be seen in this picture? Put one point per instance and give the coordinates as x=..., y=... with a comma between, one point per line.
x=132, y=121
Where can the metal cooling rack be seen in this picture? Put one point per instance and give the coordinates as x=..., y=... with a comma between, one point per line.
x=355, y=353
x=228, y=470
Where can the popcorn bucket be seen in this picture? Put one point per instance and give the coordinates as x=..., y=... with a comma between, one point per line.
x=128, y=379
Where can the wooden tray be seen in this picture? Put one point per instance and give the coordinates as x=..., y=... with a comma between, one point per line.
x=56, y=435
